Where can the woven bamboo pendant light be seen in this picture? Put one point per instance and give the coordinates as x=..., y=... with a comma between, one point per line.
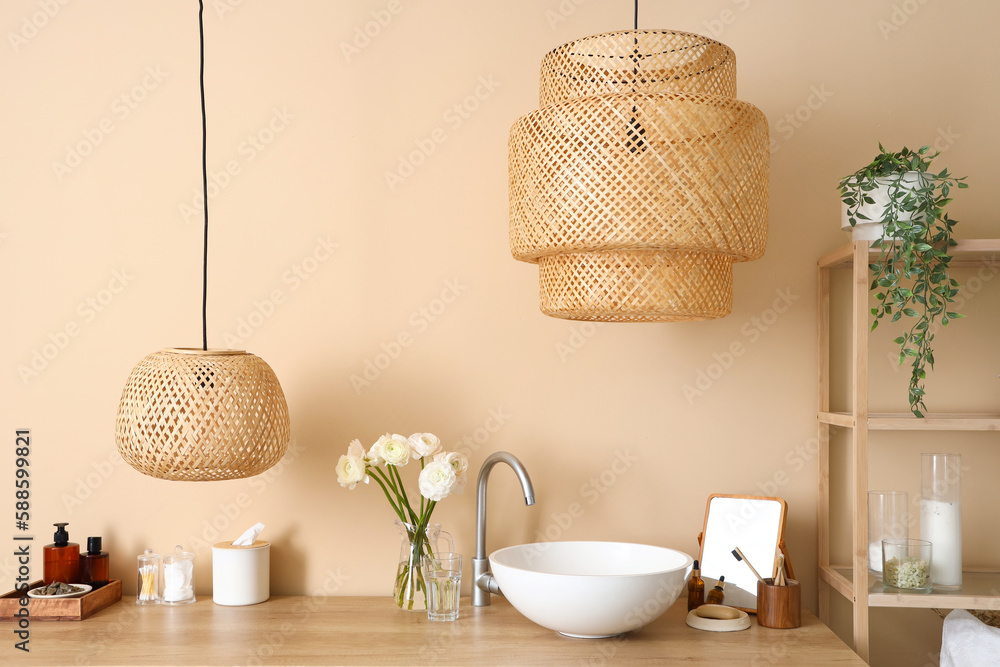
x=639, y=180
x=202, y=414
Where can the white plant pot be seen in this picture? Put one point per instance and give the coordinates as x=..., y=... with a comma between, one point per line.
x=872, y=231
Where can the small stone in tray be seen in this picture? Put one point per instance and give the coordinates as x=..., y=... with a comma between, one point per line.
x=57, y=588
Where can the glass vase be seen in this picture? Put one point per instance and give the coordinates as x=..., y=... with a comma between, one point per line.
x=410, y=590
x=888, y=519
x=941, y=516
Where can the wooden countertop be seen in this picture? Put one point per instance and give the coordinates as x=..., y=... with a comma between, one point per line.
x=370, y=631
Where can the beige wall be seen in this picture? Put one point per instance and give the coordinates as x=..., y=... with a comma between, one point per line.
x=574, y=398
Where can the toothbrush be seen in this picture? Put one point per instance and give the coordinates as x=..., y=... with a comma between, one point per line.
x=738, y=555
x=779, y=578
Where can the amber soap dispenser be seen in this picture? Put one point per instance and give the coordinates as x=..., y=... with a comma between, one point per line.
x=95, y=564
x=62, y=558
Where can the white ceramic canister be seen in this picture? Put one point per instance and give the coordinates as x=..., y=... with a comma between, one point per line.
x=241, y=575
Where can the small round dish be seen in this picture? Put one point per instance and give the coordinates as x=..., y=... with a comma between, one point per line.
x=33, y=593
x=718, y=618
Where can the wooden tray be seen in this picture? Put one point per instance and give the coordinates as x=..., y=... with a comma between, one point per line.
x=64, y=609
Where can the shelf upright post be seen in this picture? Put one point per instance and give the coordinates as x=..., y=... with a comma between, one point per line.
x=859, y=449
x=823, y=435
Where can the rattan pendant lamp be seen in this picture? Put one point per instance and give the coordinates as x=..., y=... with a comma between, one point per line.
x=639, y=180
x=202, y=414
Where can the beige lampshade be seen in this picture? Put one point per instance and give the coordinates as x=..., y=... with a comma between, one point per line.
x=640, y=180
x=196, y=415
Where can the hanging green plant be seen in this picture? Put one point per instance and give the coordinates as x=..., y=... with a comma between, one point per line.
x=911, y=276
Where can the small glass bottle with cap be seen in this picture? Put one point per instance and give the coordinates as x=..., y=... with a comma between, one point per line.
x=94, y=565
x=148, y=589
x=178, y=577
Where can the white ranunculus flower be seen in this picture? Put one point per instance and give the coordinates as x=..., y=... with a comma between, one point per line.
x=425, y=444
x=351, y=466
x=436, y=480
x=459, y=464
x=457, y=461
x=393, y=449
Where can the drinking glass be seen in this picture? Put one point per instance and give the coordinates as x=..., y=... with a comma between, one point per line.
x=443, y=577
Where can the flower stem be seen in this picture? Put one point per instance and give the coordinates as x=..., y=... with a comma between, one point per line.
x=405, y=501
x=377, y=477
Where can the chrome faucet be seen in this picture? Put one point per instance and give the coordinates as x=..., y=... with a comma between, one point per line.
x=482, y=578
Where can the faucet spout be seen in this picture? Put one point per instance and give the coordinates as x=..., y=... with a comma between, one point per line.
x=483, y=582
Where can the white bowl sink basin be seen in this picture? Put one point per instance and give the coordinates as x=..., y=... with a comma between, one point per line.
x=590, y=589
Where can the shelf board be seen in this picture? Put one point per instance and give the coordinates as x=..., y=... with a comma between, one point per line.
x=838, y=581
x=905, y=421
x=968, y=252
x=980, y=590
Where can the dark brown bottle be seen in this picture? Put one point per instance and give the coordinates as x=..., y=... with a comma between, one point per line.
x=95, y=565
x=696, y=588
x=61, y=559
x=717, y=595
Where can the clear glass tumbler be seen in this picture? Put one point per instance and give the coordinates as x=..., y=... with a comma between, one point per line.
x=906, y=566
x=888, y=519
x=443, y=578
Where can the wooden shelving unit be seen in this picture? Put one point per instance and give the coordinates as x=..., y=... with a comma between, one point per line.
x=981, y=590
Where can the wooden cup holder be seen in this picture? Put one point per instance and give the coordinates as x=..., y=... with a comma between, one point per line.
x=779, y=606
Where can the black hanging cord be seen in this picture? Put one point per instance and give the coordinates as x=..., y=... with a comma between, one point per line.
x=204, y=178
x=635, y=131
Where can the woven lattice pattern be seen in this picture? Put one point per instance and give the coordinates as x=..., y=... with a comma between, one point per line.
x=640, y=180
x=699, y=183
x=636, y=285
x=191, y=415
x=651, y=61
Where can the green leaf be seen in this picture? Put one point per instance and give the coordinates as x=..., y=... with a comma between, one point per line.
x=955, y=316
x=909, y=312
x=900, y=340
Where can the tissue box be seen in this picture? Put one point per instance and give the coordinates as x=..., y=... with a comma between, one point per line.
x=241, y=575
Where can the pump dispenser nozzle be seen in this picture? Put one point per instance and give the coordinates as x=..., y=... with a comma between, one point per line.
x=61, y=537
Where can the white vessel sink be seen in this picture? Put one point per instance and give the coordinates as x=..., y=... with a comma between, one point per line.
x=590, y=589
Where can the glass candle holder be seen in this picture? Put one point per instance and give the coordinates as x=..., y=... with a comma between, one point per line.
x=941, y=516
x=888, y=519
x=906, y=566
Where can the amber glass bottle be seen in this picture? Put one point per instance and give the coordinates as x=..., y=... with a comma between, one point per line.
x=95, y=564
x=696, y=588
x=717, y=595
x=62, y=558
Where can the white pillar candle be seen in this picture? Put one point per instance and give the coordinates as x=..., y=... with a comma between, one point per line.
x=941, y=525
